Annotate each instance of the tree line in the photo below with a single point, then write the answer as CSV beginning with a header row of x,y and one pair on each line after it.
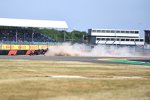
x,y
58,35
74,36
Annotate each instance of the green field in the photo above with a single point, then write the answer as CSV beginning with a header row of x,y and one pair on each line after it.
x,y
29,80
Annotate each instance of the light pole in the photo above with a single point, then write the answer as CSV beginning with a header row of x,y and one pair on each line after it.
x,y
64,36
16,36
32,37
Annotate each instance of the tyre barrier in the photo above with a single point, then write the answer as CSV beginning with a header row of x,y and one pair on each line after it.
x,y
16,52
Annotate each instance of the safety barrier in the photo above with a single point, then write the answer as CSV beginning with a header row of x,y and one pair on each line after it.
x,y
12,52
16,52
22,47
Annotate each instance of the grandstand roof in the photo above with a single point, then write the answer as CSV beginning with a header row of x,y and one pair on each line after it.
x,y
33,23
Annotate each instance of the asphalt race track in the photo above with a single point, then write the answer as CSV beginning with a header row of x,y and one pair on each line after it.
x,y
81,59
53,58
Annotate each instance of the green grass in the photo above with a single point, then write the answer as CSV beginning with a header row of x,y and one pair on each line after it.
x,y
28,80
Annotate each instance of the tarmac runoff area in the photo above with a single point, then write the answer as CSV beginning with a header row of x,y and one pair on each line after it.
x,y
108,60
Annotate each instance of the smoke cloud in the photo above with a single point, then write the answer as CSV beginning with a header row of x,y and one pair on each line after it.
x,y
67,49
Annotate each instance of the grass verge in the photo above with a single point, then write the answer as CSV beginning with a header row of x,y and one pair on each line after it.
x,y
26,80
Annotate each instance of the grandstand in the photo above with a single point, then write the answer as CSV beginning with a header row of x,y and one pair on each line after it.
x,y
15,34
24,34
24,30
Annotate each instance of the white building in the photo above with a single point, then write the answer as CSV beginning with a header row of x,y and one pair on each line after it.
x,y
33,23
114,37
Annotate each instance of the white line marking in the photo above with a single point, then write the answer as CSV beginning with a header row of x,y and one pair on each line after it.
x,y
98,77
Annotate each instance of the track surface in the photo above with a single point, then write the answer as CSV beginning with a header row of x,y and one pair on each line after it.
x,y
69,58
53,58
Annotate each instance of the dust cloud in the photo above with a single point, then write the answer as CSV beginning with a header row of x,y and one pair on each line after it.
x,y
67,49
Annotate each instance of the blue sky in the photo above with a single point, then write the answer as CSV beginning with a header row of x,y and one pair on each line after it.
x,y
82,14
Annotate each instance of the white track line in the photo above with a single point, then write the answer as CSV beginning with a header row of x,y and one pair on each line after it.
x,y
98,77
66,76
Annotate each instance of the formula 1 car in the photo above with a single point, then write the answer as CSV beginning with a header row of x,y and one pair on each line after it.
x,y
39,52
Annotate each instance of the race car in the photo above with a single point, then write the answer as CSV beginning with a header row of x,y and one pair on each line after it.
x,y
39,52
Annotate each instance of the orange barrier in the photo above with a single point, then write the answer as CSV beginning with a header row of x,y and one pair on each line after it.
x,y
16,52
12,52
29,52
